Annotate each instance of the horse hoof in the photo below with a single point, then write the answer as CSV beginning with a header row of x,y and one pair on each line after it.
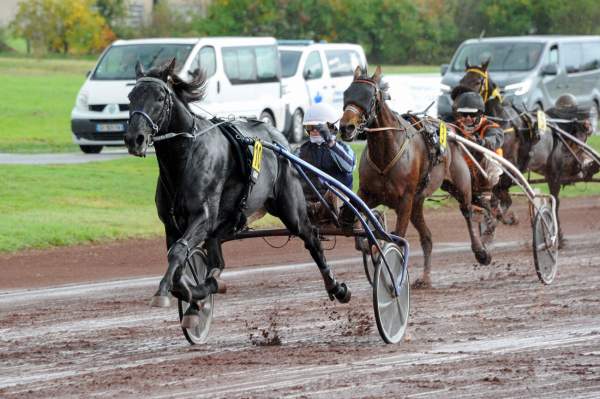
x,y
510,219
341,292
221,285
160,301
421,284
190,321
483,257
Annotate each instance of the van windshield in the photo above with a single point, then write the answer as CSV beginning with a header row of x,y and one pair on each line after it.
x,y
289,62
504,56
118,63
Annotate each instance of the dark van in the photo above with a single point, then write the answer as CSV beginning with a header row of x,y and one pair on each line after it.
x,y
532,71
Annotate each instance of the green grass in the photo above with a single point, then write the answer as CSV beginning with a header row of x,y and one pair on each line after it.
x,y
36,103
55,205
390,69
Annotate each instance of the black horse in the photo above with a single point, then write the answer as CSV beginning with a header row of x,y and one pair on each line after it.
x,y
200,195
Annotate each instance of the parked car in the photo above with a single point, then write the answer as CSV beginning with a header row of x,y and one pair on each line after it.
x,y
315,72
244,80
532,71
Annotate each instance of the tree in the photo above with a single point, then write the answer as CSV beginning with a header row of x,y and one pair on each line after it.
x,y
67,26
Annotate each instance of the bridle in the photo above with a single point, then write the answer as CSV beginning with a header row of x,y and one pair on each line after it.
x,y
165,112
368,116
165,115
484,90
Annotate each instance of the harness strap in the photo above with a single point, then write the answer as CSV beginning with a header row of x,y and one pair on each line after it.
x,y
391,163
383,129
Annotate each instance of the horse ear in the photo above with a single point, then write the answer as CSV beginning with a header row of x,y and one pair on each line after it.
x,y
467,65
377,75
139,70
357,72
168,71
485,64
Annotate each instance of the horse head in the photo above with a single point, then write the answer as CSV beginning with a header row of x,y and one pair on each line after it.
x,y
154,100
476,79
361,102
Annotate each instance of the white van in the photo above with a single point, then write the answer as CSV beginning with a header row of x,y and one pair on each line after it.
x,y
315,72
244,80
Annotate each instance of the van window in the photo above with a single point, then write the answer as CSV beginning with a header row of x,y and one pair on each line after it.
x,y
206,60
503,56
572,56
289,62
342,62
313,69
552,55
118,63
251,64
591,56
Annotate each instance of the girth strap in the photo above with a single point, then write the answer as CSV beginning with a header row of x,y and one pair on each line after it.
x,y
392,162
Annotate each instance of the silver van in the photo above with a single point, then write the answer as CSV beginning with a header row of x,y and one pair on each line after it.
x,y
532,71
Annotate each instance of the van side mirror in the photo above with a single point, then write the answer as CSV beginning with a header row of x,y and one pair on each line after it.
x,y
549,69
444,68
307,74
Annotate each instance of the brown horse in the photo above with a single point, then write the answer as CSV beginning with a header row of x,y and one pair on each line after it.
x,y
520,131
545,153
396,169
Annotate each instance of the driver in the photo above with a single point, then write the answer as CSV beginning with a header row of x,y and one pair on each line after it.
x,y
468,111
324,152
577,123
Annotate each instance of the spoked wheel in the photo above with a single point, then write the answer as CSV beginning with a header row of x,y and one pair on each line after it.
x,y
362,244
545,249
196,271
391,310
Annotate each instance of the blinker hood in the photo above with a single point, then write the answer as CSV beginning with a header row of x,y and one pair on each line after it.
x,y
361,95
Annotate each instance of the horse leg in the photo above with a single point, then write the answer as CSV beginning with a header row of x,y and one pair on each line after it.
x,y
161,298
501,194
418,221
290,207
554,186
215,265
462,193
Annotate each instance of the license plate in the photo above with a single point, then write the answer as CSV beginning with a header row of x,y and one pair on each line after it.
x,y
110,127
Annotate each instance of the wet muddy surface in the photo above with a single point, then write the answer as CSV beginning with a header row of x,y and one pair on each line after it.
x,y
75,322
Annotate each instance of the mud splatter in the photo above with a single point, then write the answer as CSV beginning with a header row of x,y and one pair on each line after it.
x,y
267,336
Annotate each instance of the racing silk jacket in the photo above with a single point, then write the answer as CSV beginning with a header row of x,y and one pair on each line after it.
x,y
490,133
337,161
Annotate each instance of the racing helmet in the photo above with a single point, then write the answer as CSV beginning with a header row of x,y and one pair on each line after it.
x,y
566,104
468,103
320,114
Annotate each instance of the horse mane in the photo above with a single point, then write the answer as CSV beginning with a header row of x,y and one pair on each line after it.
x,y
187,92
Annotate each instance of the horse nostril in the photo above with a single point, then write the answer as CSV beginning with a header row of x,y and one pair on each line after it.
x,y
139,140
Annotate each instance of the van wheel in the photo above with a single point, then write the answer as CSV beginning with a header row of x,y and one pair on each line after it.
x,y
267,118
296,132
91,149
594,114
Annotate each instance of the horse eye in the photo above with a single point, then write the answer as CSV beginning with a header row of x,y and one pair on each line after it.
x,y
161,98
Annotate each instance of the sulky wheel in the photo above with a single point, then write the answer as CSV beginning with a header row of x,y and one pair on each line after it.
x,y
391,310
545,249
362,244
196,271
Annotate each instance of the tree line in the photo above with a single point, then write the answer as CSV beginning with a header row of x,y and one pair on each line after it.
x,y
391,31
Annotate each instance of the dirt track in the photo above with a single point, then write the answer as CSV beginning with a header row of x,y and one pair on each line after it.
x,y
491,331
